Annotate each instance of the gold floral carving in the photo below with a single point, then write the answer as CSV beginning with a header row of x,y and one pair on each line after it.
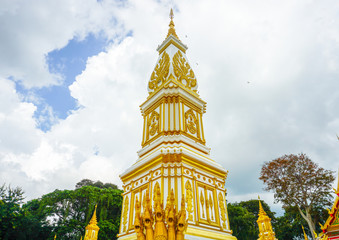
x,y
125,213
160,72
202,202
183,71
210,204
191,122
222,209
153,123
189,200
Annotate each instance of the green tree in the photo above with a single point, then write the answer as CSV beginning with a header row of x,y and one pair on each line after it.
x,y
298,182
69,211
99,184
16,221
241,222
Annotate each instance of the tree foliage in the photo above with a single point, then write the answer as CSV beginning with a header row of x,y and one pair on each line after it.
x,y
241,222
17,221
65,213
98,184
298,182
69,211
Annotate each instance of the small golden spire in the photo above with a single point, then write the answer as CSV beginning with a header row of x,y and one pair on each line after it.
x,y
93,220
305,236
265,227
54,236
171,30
261,209
92,228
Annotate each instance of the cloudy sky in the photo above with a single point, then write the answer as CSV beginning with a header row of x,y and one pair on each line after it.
x,y
73,74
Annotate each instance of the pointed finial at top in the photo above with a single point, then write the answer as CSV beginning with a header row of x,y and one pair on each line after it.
x,y
93,220
261,209
171,30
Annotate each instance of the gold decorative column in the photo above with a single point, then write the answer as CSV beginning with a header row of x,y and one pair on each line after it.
x,y
174,160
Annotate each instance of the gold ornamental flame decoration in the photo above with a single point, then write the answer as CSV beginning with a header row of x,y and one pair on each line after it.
x,y
222,209
183,71
189,200
156,193
160,73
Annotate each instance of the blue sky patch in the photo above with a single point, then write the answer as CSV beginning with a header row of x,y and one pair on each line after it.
x,y
55,102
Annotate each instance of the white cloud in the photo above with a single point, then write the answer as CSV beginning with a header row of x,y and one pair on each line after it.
x,y
29,31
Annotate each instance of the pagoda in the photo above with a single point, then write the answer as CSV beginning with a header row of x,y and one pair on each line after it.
x,y
92,228
331,227
265,227
174,165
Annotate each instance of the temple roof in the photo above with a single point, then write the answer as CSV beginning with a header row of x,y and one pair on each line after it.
x,y
332,222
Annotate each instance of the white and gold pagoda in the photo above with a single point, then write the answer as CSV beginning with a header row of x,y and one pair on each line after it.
x,y
174,164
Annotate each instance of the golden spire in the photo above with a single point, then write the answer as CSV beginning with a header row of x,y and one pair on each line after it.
x,y
261,209
93,220
265,227
305,236
92,228
171,30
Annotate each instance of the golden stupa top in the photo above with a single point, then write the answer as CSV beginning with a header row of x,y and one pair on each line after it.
x,y
262,214
93,220
171,30
264,223
172,64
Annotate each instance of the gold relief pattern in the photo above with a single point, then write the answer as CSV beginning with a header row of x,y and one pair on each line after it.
x,y
160,73
189,200
222,209
210,204
153,123
191,122
125,213
202,202
155,195
183,71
